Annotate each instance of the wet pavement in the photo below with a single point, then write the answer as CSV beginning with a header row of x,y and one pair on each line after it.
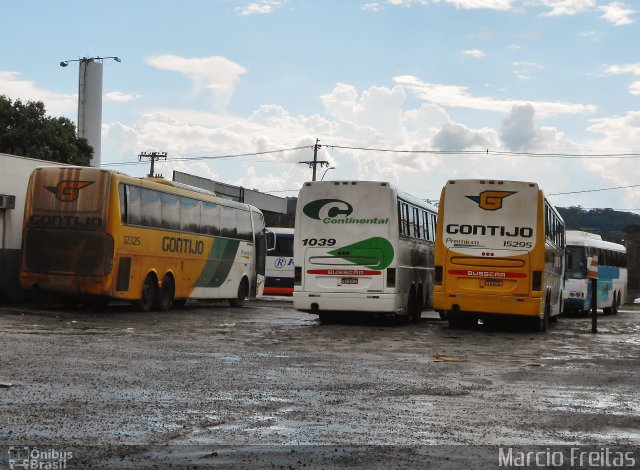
x,y
266,381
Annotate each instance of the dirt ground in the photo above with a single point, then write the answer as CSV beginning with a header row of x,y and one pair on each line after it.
x,y
266,386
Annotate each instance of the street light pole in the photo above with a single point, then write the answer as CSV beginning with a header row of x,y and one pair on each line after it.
x,y
325,172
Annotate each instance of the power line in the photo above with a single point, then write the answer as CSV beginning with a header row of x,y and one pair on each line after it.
x,y
490,152
219,157
595,190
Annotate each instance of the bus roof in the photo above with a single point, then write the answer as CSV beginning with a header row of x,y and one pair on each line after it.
x,y
401,194
580,238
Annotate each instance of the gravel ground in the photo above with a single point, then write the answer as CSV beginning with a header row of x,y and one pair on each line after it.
x,y
266,386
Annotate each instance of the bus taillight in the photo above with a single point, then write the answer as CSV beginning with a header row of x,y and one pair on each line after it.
x,y
297,275
391,277
437,277
536,283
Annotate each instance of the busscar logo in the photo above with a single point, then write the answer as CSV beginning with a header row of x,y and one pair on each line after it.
x,y
68,190
490,200
316,209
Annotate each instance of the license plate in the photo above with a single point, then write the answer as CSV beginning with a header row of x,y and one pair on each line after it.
x,y
493,282
349,280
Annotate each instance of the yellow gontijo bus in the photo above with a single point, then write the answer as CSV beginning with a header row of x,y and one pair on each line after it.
x,y
499,252
94,235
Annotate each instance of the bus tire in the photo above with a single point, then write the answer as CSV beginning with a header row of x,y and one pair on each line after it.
x,y
147,294
243,291
543,323
419,306
163,300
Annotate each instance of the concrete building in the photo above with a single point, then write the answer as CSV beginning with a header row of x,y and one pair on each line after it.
x,y
14,177
278,211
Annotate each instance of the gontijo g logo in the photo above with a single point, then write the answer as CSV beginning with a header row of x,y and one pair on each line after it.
x,y
68,190
316,209
490,200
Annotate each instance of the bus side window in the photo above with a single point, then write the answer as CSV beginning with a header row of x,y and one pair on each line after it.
x,y
228,222
133,205
170,210
189,215
244,225
150,214
210,219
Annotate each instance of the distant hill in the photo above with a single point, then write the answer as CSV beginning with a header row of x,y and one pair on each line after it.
x,y
610,224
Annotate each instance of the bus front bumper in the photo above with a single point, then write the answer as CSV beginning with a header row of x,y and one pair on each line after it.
x,y
495,304
347,302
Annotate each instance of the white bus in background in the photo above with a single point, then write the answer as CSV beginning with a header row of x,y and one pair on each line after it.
x,y
362,246
279,268
612,273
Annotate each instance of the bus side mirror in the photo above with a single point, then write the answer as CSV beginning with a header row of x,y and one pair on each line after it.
x,y
568,261
271,239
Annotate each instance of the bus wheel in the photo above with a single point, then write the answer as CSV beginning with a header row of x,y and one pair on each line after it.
x,y
147,295
243,291
413,309
543,323
163,300
457,320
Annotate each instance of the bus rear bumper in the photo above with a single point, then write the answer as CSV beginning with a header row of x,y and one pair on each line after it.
x,y
347,302
63,284
495,305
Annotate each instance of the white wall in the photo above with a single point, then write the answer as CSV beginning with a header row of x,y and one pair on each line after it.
x,y
14,177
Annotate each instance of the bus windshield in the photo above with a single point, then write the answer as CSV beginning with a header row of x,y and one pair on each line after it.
x,y
576,267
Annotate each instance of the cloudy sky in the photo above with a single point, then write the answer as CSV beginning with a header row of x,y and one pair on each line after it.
x,y
415,92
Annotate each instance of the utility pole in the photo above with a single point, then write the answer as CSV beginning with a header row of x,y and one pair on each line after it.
x,y
153,156
314,164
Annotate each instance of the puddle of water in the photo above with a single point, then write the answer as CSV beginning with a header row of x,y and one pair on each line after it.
x,y
449,358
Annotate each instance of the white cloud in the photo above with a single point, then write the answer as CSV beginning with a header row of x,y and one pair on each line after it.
x,y
343,102
373,7
262,7
473,53
120,97
567,7
13,87
502,5
632,69
459,97
215,74
617,14
456,136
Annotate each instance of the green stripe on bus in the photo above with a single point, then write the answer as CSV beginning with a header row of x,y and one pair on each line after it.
x,y
219,263
374,253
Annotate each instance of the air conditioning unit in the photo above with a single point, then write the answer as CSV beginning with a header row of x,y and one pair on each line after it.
x,y
7,202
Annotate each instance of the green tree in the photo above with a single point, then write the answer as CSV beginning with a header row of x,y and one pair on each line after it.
x,y
25,130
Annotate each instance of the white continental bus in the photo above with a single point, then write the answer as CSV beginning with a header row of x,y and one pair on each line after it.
x,y
612,273
362,246
279,269
499,253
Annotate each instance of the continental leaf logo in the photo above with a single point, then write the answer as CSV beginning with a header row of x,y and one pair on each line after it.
x,y
337,207
374,253
68,190
491,200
